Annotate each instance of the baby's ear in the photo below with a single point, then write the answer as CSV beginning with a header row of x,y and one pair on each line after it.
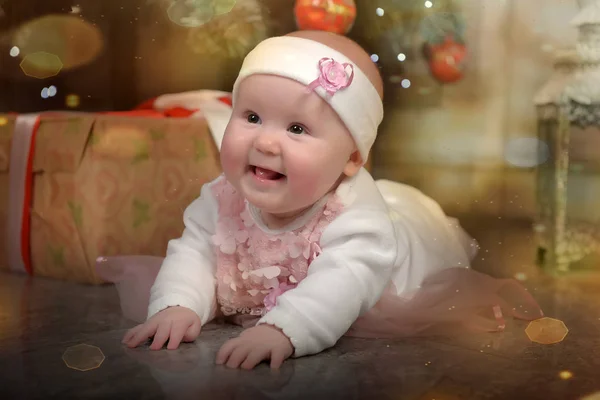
x,y
354,164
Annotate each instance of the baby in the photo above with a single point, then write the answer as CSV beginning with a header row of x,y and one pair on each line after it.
x,y
296,241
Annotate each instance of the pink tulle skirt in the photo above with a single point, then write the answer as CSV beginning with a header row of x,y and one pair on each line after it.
x,y
450,301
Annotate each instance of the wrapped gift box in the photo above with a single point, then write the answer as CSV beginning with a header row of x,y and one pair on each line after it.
x,y
97,185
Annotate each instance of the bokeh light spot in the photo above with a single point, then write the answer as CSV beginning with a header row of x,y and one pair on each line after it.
x,y
3,121
223,6
15,51
41,65
565,375
231,35
73,40
521,276
83,357
526,152
191,14
546,331
72,101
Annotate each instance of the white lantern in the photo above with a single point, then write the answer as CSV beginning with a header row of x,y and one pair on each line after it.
x,y
568,184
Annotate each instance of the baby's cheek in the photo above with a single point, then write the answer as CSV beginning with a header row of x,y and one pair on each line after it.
x,y
231,157
227,160
307,184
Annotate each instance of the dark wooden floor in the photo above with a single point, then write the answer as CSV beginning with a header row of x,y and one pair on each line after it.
x,y
46,324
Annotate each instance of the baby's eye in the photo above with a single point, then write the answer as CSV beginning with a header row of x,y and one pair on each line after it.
x,y
296,129
253,118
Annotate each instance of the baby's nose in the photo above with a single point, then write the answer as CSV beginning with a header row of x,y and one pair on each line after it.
x,y
267,143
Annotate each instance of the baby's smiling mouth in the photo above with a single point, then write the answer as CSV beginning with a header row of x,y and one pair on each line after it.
x,y
266,174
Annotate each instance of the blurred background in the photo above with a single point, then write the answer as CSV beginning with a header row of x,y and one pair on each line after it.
x,y
446,128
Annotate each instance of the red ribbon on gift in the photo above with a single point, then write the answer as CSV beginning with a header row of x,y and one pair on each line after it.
x,y
19,189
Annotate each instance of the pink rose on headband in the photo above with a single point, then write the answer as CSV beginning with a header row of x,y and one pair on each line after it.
x,y
332,76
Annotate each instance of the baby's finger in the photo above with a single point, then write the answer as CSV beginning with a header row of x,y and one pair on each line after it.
x,y
239,354
277,358
192,332
254,358
141,335
225,351
130,333
161,336
177,332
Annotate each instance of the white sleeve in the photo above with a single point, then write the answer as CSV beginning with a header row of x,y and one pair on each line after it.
x,y
346,280
187,275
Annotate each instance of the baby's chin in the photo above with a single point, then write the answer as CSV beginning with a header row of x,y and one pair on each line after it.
x,y
281,202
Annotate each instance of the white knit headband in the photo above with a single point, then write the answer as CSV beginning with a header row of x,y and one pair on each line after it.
x,y
331,74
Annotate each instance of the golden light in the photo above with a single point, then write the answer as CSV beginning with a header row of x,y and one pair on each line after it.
x,y
72,101
546,331
3,121
68,37
83,357
41,65
592,396
565,375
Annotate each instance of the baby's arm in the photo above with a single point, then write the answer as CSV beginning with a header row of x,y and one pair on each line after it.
x,y
182,298
359,251
187,276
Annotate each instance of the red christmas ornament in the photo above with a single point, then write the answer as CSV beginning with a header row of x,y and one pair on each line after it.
x,y
446,60
335,16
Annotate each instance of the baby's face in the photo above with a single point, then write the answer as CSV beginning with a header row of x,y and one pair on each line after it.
x,y
284,147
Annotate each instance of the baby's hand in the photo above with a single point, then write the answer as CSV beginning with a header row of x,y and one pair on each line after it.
x,y
175,324
254,345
